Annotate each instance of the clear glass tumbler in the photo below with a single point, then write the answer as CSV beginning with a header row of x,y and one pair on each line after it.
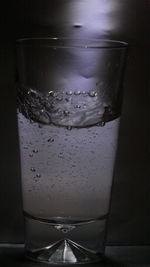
x,y
69,97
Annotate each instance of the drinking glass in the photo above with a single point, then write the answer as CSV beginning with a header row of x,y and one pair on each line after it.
x,y
69,97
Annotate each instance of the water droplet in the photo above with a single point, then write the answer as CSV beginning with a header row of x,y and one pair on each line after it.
x,y
38,175
35,150
77,106
92,93
77,93
69,93
32,169
69,127
50,140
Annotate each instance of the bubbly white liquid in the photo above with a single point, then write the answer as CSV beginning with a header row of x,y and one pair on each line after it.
x,y
67,173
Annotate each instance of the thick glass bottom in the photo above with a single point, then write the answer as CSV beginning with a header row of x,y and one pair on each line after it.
x,y
64,242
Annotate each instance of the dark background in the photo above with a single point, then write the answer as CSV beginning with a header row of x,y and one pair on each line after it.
x,y
127,20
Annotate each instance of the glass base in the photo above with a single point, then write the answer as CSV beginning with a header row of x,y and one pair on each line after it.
x,y
63,252
62,242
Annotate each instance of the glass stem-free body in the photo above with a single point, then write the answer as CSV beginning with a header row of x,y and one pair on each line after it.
x,y
68,121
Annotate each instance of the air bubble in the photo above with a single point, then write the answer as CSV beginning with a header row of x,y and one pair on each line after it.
x,y
55,94
77,93
35,150
77,106
60,155
32,93
59,111
50,93
69,127
92,93
101,124
66,112
50,140
77,25
83,92
59,98
32,169
69,93
109,110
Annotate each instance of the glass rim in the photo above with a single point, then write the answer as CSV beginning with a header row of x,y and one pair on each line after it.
x,y
65,42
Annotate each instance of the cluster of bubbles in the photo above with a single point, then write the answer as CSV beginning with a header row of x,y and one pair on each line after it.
x,y
37,175
32,169
65,108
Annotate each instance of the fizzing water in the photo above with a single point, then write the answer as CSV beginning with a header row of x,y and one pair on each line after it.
x,y
67,152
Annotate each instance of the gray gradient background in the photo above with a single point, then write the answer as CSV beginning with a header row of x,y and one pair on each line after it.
x,y
127,20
